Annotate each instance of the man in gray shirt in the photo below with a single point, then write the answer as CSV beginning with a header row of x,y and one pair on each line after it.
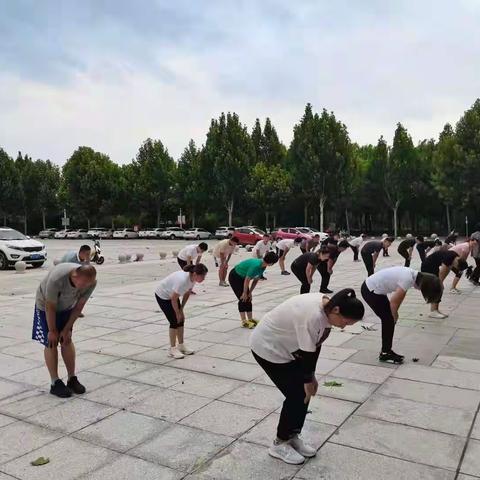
x,y
82,257
59,301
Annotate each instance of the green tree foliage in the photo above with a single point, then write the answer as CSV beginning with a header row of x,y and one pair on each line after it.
x,y
49,182
153,176
229,154
269,188
9,188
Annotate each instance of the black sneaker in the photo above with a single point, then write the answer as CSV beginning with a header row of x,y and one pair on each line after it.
x,y
391,357
285,273
75,386
59,389
326,290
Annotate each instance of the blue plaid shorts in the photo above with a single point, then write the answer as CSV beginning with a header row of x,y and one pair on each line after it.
x,y
40,326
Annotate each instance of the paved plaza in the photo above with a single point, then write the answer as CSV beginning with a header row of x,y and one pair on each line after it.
x,y
213,415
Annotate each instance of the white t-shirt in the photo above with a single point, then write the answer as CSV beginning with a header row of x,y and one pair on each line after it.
x,y
388,280
285,243
297,323
356,242
261,248
188,251
177,282
223,247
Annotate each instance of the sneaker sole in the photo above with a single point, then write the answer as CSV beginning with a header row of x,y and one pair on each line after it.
x,y
275,455
397,362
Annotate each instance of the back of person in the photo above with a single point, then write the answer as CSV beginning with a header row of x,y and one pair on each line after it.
x,y
434,261
372,246
71,257
388,280
462,249
406,244
177,282
251,267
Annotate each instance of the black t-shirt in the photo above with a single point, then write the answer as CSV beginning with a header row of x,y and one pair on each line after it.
x,y
452,238
406,244
307,258
329,241
426,244
434,261
372,247
333,251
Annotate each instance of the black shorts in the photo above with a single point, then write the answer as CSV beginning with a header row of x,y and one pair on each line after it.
x,y
182,263
280,252
169,312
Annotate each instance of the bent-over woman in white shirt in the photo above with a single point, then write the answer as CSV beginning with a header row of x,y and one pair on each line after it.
x,y
286,344
170,290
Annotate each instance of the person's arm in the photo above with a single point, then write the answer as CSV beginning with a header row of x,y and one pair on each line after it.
x,y
199,259
185,298
396,300
309,271
285,251
246,292
254,284
331,262
176,307
189,260
375,256
410,251
65,335
444,271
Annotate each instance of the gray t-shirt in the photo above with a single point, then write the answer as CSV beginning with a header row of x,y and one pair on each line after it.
x,y
71,257
57,287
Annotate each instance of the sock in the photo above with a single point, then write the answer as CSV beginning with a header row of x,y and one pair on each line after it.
x,y
54,380
279,441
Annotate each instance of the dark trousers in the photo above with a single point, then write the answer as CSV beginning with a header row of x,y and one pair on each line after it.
x,y
288,377
406,256
381,306
476,272
182,263
236,282
302,276
368,261
323,270
355,253
385,252
421,253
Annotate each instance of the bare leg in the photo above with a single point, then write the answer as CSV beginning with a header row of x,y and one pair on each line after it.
x,y
179,331
51,360
68,355
434,307
455,281
281,262
243,316
172,333
249,315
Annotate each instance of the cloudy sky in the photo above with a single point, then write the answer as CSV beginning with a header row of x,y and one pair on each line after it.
x,y
110,73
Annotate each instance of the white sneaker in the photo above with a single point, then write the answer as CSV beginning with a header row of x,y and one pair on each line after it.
x,y
183,349
437,314
173,352
301,447
455,291
284,451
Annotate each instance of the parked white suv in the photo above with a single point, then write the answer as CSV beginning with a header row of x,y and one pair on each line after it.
x,y
16,247
173,232
125,233
197,234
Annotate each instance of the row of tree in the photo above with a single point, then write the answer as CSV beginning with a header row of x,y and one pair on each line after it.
x,y
323,179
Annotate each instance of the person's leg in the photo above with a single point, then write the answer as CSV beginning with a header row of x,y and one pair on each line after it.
x,y
323,269
368,262
422,254
236,284
381,307
455,281
51,361
355,253
475,277
181,262
68,355
302,276
281,260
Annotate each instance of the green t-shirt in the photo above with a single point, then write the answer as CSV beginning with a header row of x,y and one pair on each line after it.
x,y
251,268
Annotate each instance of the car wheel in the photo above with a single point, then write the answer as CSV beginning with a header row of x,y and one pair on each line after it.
x,y
37,265
3,261
172,237
198,237
126,236
210,237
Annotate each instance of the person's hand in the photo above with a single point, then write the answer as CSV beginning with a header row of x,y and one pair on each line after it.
x,y
52,339
244,297
310,280
66,336
310,389
180,316
330,271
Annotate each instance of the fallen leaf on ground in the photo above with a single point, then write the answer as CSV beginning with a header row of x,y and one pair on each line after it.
x,y
40,461
332,383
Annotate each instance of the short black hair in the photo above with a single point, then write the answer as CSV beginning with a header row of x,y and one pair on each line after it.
x,y
199,269
348,304
298,240
85,248
389,239
203,246
343,244
430,286
235,240
420,239
462,264
270,258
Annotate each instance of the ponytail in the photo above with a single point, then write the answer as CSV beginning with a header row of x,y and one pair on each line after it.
x,y
199,269
348,304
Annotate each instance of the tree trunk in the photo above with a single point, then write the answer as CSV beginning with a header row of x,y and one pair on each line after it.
x,y
4,219
266,220
447,211
113,224
193,217
230,212
322,208
305,215
88,223
347,220
395,222
25,222
274,221
158,216
43,219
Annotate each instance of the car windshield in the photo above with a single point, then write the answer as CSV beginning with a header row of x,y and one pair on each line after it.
x,y
257,230
11,235
303,230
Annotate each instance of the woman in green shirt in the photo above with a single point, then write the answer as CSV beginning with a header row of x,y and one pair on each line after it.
x,y
243,279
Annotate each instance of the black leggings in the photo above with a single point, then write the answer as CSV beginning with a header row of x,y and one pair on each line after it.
x,y
288,377
167,309
236,282
300,273
322,268
355,252
406,256
476,272
381,306
368,261
421,253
